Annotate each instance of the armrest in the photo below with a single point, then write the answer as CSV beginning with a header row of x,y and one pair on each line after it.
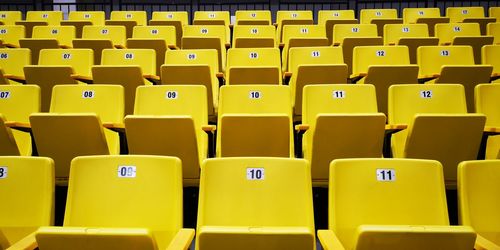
x,y
356,77
300,130
119,46
390,129
210,130
392,44
426,78
336,44
117,127
85,79
182,239
27,243
220,76
447,43
21,126
281,45
483,243
9,45
155,80
19,79
329,240
64,46
494,76
286,77
228,45
173,47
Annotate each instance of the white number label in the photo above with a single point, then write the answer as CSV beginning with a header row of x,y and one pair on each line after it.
x,y
4,94
3,172
405,29
445,52
355,29
191,56
45,15
127,171
170,16
386,175
204,31
426,93
54,31
336,14
465,12
154,32
378,13
4,55
253,55
86,15
3,16
255,174
254,31
315,53
128,15
3,31
380,52
129,55
104,31
88,94
255,95
66,56
420,13
211,15
338,94
171,95
254,15
295,15
304,30
457,29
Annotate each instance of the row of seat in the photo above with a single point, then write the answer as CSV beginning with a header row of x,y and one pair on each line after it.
x,y
135,202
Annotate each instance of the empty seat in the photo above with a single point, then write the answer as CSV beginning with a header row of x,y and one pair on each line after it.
x,y
27,190
211,18
48,37
171,18
494,30
98,38
487,100
10,35
118,202
253,17
254,36
380,17
494,12
52,18
207,37
458,14
270,186
291,17
253,66
410,35
80,19
129,19
490,57
329,18
478,204
12,62
10,17
428,16
360,219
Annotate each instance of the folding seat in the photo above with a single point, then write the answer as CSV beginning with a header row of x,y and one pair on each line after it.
x,y
410,35
40,18
253,17
270,186
329,18
79,19
380,17
313,65
301,36
211,18
383,66
452,64
494,12
390,204
129,19
349,36
291,17
17,103
490,57
493,29
10,35
127,67
254,36
254,120
428,16
121,202
253,66
169,120
158,38
74,125
469,15
487,100
48,37
207,37
12,62
439,126
339,121
10,17
99,38
180,65
58,66
178,19
27,190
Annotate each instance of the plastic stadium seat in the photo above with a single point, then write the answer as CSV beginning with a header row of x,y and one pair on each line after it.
x,y
490,57
99,38
314,65
207,37
410,35
439,127
453,64
494,30
329,18
58,66
254,120
121,202
428,16
211,18
73,127
494,12
266,203
383,66
343,123
390,204
168,120
129,19
52,18
487,100
253,17
458,14
10,35
48,37
95,17
27,190
253,66
291,17
180,65
10,17
127,67
254,36
17,102
12,62
178,19
301,36
478,204
380,17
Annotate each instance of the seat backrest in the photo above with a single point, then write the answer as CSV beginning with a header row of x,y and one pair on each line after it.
x,y
194,57
394,32
253,17
288,17
139,16
490,56
303,31
213,31
493,29
254,99
211,18
494,12
446,32
81,60
411,15
144,58
487,102
324,15
166,33
253,31
430,59
313,55
458,14
181,16
341,31
63,34
51,17
10,17
253,57
12,61
477,195
115,33
360,191
96,17
10,34
366,56
367,15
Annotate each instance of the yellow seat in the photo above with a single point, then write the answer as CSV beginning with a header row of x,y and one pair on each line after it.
x,y
263,219
52,18
168,120
453,64
17,102
254,36
12,62
439,126
362,216
458,14
129,19
380,17
254,120
27,190
207,37
80,19
10,17
73,127
494,12
428,16
253,66
342,122
48,37
490,57
121,202
410,35
10,35
171,18
478,204
314,65
58,66
487,100
99,38
291,17
127,67
211,18
329,18
253,17
180,65
494,31
383,66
